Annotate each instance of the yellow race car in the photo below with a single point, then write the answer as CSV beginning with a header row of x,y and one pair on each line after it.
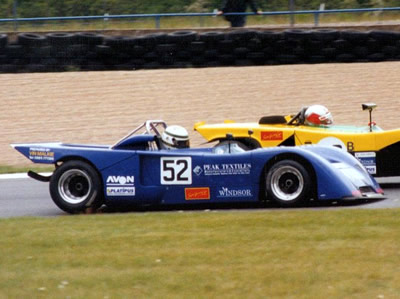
x,y
376,149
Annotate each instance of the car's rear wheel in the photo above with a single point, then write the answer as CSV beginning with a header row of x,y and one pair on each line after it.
x,y
288,183
76,186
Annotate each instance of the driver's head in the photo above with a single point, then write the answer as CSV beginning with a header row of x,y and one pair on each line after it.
x,y
175,137
318,115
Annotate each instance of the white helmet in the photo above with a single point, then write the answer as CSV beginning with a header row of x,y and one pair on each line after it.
x,y
175,137
318,115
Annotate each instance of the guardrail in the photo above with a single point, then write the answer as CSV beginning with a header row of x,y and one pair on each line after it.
x,y
158,17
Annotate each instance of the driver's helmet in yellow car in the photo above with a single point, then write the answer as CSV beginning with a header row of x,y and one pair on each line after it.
x,y
175,137
318,115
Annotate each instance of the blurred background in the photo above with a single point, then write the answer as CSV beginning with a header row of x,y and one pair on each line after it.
x,y
14,9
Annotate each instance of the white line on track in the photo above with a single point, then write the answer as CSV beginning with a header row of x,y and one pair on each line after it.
x,y
13,176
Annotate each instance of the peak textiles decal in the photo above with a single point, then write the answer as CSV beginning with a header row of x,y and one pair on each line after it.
x,y
41,154
223,169
272,135
234,192
200,193
117,185
198,170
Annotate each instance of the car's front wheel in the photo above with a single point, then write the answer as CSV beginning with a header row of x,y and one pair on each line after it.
x,y
288,183
76,186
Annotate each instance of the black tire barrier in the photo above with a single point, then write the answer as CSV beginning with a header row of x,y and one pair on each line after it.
x,y
181,38
61,39
89,39
31,39
325,35
354,37
3,40
211,37
55,52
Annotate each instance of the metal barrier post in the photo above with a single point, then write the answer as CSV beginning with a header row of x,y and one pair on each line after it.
x,y
316,19
15,5
158,22
291,8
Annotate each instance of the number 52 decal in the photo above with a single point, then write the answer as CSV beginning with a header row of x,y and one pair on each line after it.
x,y
176,170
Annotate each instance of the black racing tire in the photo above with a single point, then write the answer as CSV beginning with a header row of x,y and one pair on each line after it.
x,y
288,183
149,41
255,45
329,53
211,37
342,46
184,55
345,58
197,47
360,52
76,186
226,59
150,56
181,37
269,38
384,36
300,35
256,57
61,39
241,37
211,54
354,36
31,39
15,51
163,49
241,52
3,40
89,38
390,51
225,46
288,59
325,35
376,57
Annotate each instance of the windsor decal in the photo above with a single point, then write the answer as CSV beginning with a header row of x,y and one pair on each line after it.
x,y
234,192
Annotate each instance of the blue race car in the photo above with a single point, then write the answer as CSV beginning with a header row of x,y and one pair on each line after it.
x,y
139,170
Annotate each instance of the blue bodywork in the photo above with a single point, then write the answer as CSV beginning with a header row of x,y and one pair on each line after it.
x,y
134,171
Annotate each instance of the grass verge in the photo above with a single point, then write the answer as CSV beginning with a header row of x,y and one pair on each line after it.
x,y
15,169
293,254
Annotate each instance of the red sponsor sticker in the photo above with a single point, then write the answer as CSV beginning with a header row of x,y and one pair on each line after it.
x,y
197,193
272,135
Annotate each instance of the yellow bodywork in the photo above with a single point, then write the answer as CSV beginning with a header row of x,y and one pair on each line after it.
x,y
354,139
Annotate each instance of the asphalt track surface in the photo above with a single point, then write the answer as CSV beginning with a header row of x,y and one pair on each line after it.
x,y
27,197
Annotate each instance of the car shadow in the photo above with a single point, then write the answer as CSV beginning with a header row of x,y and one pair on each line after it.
x,y
235,206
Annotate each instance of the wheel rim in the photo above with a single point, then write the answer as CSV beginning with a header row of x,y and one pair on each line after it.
x,y
287,183
74,186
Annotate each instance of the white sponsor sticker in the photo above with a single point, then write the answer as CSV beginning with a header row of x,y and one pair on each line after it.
x,y
176,170
227,169
120,191
234,192
368,160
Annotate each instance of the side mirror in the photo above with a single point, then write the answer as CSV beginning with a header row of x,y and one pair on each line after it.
x,y
229,137
368,106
